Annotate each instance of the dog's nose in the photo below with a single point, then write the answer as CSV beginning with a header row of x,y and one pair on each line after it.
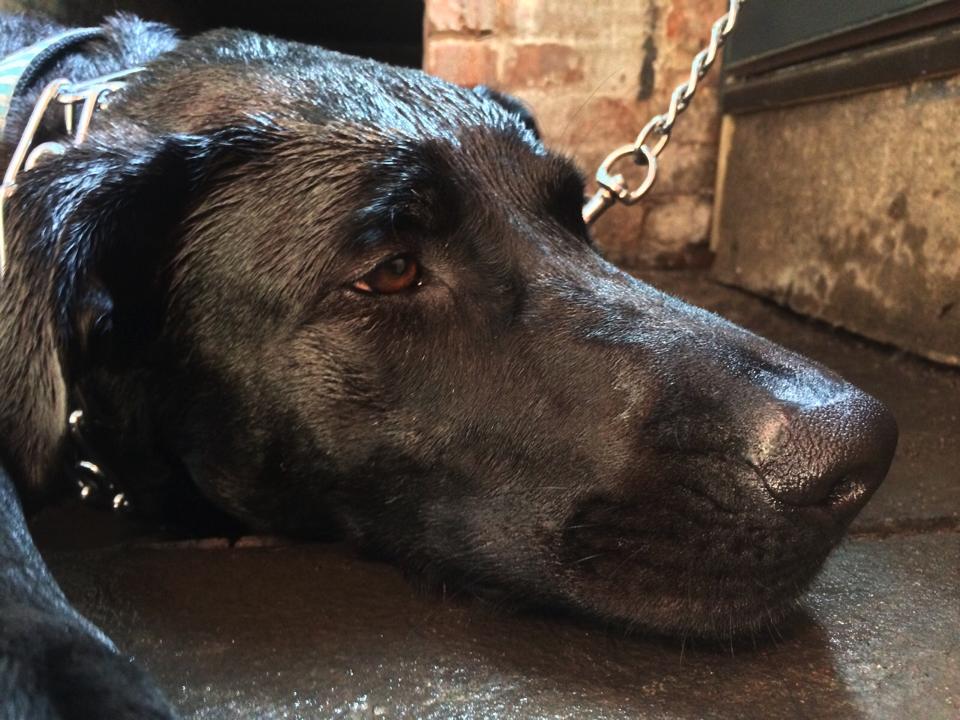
x,y
831,454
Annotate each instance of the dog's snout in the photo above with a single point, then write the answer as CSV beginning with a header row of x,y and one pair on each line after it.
x,y
831,454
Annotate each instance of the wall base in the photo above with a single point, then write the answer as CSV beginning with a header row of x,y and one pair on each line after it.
x,y
849,211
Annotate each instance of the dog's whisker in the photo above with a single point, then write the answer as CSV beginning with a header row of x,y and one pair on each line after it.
x,y
731,621
568,128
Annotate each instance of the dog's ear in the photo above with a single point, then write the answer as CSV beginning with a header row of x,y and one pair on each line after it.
x,y
512,105
90,235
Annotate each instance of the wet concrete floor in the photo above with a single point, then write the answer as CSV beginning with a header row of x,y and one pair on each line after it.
x,y
313,631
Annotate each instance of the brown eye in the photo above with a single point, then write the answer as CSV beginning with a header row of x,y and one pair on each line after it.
x,y
391,276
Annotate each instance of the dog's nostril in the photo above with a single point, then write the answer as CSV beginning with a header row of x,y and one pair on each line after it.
x,y
832,455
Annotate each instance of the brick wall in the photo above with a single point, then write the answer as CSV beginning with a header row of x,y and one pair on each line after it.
x,y
594,73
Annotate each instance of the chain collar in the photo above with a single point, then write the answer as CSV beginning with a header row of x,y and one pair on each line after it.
x,y
94,484
79,103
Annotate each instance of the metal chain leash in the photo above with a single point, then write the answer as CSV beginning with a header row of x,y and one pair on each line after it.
x,y
613,188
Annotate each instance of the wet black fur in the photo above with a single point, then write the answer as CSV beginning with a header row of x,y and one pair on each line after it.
x,y
531,423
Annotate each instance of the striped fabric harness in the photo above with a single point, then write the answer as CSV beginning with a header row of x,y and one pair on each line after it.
x,y
19,70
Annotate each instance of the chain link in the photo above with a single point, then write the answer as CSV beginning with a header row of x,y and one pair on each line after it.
x,y
88,97
613,188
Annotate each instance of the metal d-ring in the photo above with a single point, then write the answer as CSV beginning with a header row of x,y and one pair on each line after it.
x,y
613,188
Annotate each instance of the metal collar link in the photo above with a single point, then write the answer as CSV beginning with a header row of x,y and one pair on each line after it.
x,y
80,101
93,483
613,188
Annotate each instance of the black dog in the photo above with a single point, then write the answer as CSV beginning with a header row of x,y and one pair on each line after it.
x,y
336,297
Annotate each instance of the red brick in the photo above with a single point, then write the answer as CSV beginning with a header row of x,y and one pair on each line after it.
x,y
598,125
520,17
465,62
542,64
566,59
689,21
461,16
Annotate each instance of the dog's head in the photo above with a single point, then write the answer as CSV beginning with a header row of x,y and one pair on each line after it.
x,y
340,295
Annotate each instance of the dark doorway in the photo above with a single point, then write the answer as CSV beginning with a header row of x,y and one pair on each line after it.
x,y
388,31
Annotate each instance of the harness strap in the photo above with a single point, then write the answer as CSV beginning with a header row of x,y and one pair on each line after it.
x,y
21,69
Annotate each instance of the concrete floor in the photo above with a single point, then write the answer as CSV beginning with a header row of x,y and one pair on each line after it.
x,y
266,630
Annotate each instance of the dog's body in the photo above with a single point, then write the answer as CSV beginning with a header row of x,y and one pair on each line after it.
x,y
325,296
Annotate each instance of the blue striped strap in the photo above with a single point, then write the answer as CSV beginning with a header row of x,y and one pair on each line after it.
x,y
20,69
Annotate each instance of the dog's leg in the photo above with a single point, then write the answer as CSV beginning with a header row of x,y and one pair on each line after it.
x,y
54,664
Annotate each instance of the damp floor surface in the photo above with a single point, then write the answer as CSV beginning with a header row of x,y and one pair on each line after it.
x,y
272,630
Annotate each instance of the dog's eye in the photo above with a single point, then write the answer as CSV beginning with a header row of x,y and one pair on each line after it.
x,y
397,274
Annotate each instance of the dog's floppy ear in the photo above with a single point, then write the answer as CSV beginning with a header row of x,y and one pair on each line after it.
x,y
89,235
511,104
